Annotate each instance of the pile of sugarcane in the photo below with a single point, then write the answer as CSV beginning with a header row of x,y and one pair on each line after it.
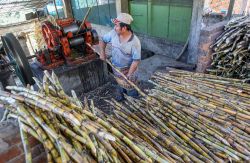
x,y
206,117
69,131
231,57
187,117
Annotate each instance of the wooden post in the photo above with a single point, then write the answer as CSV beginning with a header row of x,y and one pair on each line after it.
x,y
230,9
28,38
67,9
195,30
122,6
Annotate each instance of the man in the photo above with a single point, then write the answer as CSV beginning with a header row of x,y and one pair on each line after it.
x,y
125,53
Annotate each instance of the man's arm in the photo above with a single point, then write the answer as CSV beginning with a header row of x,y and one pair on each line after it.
x,y
136,56
103,55
103,43
133,68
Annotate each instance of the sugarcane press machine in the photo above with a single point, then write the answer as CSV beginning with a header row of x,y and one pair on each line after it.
x,y
67,42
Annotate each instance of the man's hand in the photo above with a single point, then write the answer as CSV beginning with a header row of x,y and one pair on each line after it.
x,y
103,57
132,69
128,76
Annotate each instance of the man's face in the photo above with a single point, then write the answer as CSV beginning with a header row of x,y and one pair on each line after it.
x,y
118,28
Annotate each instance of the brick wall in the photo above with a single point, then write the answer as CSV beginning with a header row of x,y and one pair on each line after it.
x,y
207,38
219,6
11,147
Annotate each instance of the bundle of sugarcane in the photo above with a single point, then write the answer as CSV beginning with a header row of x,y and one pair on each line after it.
x,y
68,130
187,117
206,117
231,55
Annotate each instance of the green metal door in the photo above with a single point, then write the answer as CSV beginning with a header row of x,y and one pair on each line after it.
x,y
159,19
168,19
179,20
138,10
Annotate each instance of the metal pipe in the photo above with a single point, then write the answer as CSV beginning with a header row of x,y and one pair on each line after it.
x,y
71,28
76,41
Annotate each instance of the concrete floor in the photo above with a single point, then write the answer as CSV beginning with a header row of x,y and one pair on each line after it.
x,y
149,65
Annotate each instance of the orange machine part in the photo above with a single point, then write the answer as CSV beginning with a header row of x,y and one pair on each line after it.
x,y
51,35
65,22
66,46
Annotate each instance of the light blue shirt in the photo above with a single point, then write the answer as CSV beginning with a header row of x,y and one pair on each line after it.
x,y
123,54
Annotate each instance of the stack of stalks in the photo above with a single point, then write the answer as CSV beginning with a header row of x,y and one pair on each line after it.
x,y
187,117
205,116
231,50
68,131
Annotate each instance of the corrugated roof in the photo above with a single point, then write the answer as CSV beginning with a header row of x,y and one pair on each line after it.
x,y
19,5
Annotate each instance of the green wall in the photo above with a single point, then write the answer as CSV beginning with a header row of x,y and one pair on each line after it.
x,y
169,19
100,13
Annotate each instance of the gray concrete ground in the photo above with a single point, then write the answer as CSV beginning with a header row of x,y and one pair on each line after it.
x,y
149,65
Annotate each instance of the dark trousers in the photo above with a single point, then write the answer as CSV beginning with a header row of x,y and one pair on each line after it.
x,y
129,92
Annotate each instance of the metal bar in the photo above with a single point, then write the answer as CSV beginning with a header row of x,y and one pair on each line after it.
x,y
84,19
230,9
30,57
8,64
56,9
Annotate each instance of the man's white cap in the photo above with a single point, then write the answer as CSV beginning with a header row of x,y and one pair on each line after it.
x,y
124,18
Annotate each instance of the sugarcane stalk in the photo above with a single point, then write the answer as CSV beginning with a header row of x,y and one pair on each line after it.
x,y
26,146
